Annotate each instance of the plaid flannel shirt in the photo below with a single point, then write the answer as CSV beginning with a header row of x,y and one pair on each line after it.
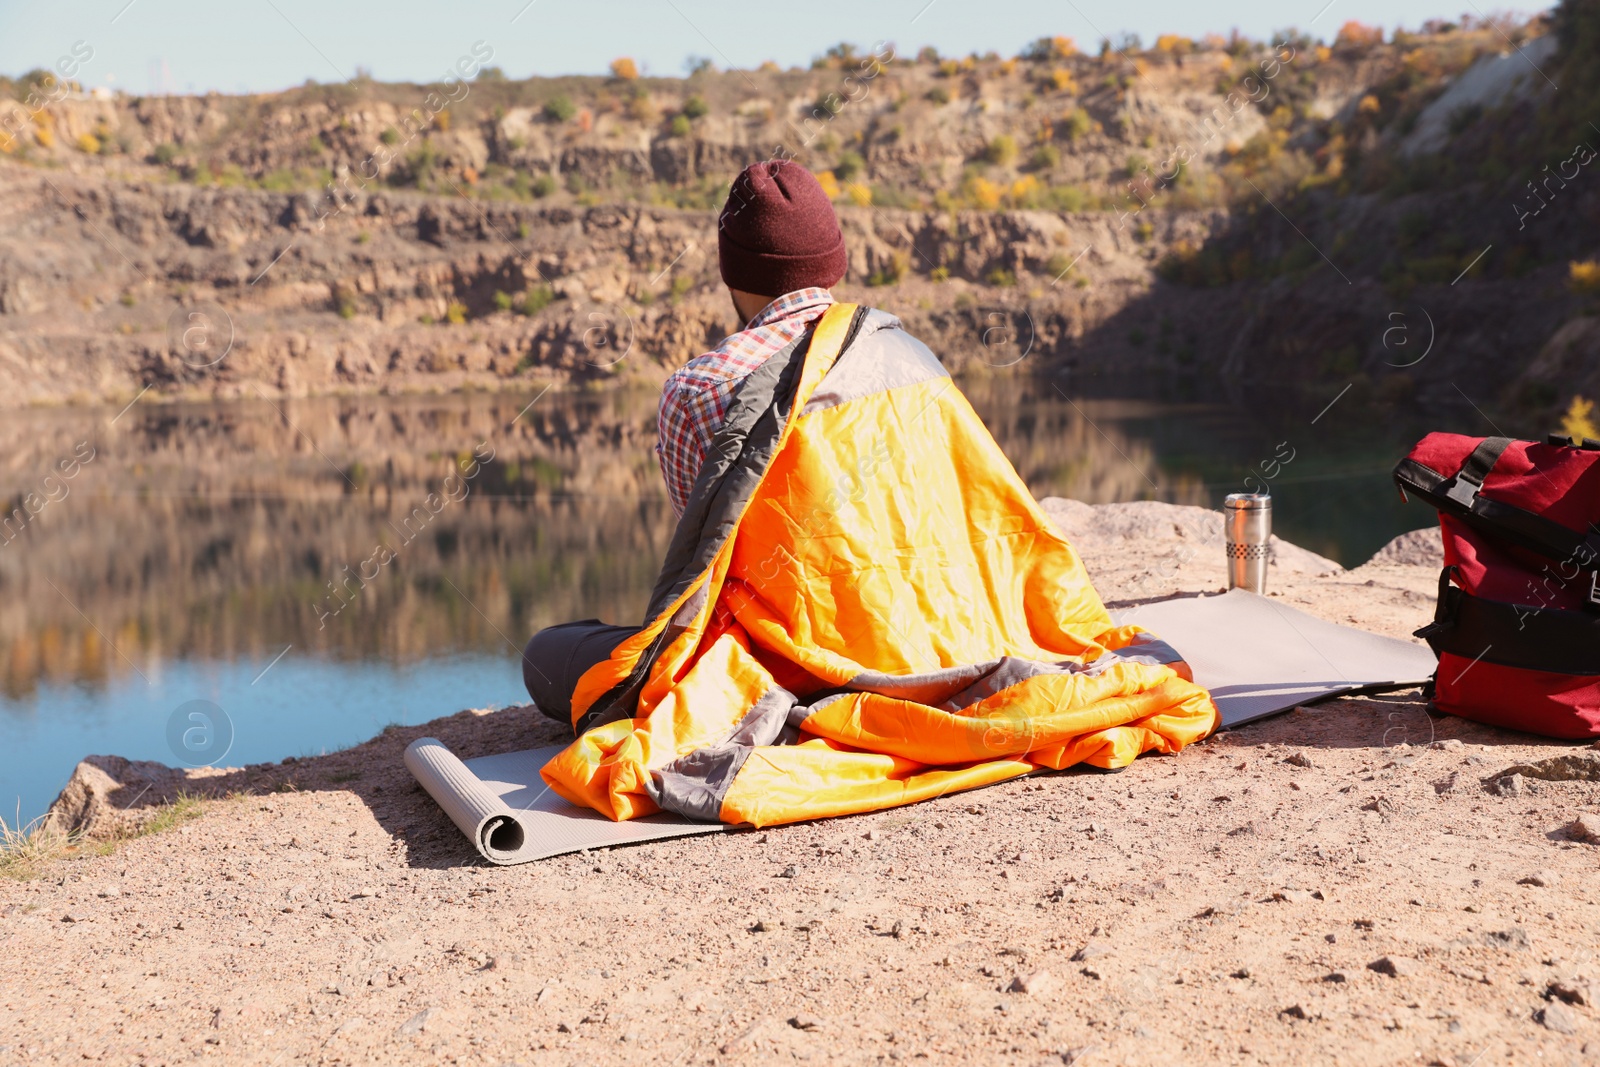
x,y
696,398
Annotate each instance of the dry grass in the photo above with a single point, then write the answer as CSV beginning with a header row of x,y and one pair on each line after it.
x,y
184,807
26,849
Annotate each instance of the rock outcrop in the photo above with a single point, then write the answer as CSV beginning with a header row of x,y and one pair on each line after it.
x,y
1163,525
109,797
1422,547
228,293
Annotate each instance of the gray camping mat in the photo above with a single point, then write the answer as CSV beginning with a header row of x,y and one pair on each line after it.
x,y
504,807
1256,656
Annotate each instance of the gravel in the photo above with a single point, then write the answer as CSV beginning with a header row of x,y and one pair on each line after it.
x,y
648,959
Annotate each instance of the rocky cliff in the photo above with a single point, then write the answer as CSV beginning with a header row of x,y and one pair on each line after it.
x,y
1278,215
227,292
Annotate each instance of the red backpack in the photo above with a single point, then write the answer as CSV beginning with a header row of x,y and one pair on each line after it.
x,y
1517,628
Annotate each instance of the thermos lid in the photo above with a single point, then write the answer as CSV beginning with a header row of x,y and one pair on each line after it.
x,y
1248,502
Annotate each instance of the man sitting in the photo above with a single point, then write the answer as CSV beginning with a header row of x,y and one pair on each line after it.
x,y
862,604
777,235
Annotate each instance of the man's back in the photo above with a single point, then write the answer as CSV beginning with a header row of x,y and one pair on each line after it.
x,y
780,251
695,399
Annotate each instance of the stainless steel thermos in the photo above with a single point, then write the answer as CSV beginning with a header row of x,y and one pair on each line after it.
x,y
1248,521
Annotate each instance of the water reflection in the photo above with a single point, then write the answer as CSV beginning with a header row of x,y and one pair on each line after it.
x,y
323,567
381,528
214,531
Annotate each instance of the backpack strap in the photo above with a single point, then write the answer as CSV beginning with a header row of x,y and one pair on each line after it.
x,y
1460,496
1512,635
1464,487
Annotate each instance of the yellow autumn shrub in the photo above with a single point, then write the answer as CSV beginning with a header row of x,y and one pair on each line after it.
x,y
984,193
1578,422
1584,277
1023,190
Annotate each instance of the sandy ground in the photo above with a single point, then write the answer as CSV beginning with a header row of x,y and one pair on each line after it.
x,y
1335,885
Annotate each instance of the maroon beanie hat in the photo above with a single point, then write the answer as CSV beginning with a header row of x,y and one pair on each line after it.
x,y
778,233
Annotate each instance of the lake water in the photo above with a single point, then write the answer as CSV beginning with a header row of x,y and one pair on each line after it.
x,y
300,574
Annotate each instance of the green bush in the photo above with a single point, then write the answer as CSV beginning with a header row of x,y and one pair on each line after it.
x,y
1414,225
1045,157
939,95
165,154
850,164
1002,151
1077,124
560,109
538,298
696,107
418,167
890,273
680,126
1432,269
1058,265
516,182
390,135
543,186
502,300
894,197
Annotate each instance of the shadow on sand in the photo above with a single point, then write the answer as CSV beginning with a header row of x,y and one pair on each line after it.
x,y
1390,725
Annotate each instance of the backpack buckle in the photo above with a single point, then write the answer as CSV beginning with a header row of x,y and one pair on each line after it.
x,y
1594,590
1462,491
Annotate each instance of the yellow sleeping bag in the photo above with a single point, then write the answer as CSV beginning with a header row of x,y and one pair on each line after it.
x,y
863,606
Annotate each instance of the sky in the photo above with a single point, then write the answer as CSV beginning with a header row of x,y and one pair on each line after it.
x,y
154,46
